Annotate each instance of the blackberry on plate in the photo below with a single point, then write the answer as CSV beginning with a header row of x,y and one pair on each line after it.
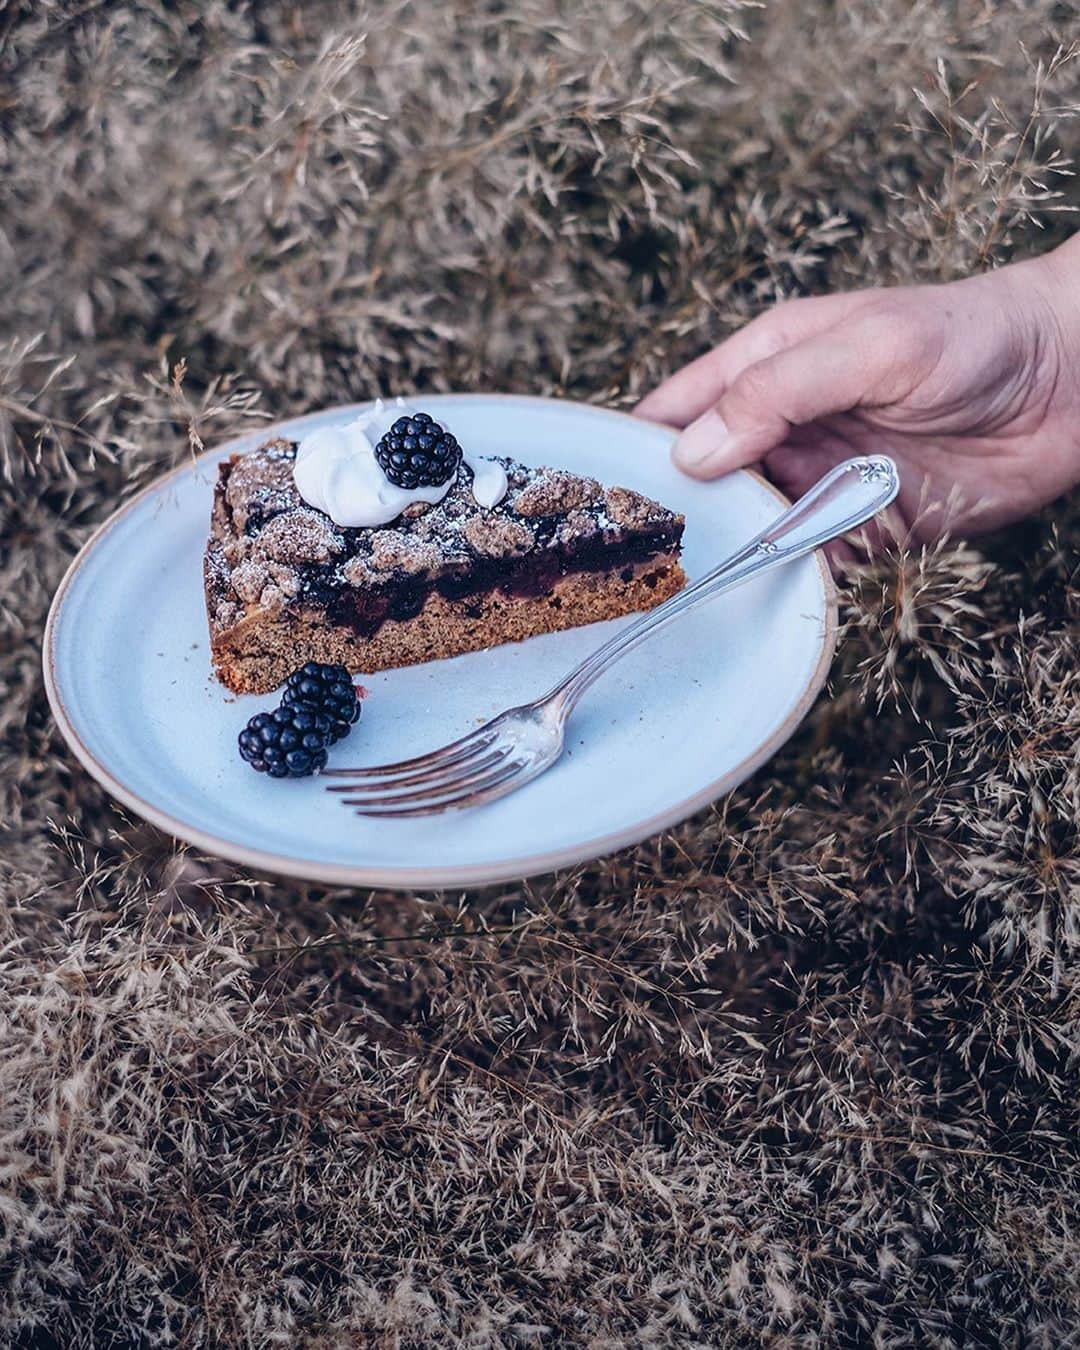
x,y
324,690
418,452
319,707
273,743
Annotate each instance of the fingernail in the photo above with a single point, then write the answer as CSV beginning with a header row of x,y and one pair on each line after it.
x,y
701,441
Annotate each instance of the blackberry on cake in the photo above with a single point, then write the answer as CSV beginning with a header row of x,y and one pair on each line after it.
x,y
495,552
418,452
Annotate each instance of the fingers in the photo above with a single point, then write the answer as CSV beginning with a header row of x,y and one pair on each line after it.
x,y
687,394
867,362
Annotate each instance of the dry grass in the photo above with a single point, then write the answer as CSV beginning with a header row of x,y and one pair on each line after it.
x,y
802,1072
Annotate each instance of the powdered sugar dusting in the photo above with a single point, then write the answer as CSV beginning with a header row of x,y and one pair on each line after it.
x,y
267,538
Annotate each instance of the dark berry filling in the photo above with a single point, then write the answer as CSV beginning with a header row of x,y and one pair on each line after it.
x,y
366,609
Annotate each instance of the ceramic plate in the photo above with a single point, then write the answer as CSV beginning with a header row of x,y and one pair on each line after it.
x,y
676,724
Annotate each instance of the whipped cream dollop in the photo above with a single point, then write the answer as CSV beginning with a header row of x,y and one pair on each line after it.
x,y
336,472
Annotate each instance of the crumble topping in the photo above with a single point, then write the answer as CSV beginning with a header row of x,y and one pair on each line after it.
x,y
391,550
227,612
629,508
269,545
268,584
237,550
556,491
248,581
357,572
577,525
302,535
498,536
263,481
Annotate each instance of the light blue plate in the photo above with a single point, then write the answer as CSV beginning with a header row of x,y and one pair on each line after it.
x,y
676,724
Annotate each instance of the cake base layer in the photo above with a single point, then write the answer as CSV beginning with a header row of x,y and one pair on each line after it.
x,y
261,651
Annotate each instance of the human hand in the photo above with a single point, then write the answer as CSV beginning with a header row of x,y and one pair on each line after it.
x,y
973,387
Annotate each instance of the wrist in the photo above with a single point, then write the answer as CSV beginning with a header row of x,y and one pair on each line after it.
x,y
1066,256
1057,277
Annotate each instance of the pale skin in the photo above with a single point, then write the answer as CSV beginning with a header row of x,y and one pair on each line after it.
x,y
972,386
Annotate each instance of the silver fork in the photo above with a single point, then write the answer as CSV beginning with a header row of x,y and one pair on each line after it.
x,y
520,743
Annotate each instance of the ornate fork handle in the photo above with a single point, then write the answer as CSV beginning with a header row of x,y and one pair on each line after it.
x,y
845,498
519,743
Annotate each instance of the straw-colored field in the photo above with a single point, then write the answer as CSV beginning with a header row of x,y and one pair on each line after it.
x,y
802,1073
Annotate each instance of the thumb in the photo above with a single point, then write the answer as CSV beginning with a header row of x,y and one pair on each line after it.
x,y
833,372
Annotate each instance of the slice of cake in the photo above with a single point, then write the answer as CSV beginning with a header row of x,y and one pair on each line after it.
x,y
375,550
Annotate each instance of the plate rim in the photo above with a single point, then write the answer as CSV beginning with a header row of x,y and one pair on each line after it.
x,y
419,878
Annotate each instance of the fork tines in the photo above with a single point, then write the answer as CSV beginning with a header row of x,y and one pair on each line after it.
x,y
463,773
